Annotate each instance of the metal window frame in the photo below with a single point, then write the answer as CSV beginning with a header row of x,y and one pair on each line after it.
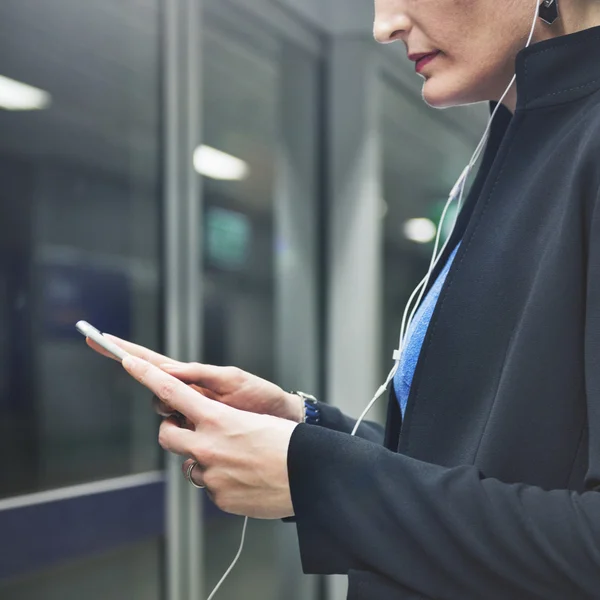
x,y
44,529
182,259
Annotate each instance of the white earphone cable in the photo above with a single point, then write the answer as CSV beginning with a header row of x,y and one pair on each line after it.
x,y
237,556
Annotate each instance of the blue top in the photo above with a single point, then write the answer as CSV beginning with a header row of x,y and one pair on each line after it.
x,y
416,335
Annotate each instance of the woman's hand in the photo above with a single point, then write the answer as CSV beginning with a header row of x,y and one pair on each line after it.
x,y
228,385
242,457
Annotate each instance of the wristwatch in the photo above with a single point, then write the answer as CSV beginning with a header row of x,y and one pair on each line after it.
x,y
312,414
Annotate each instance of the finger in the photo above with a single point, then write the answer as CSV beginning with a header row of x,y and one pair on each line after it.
x,y
196,473
134,349
158,360
171,391
175,439
99,349
202,390
210,377
166,411
161,408
205,391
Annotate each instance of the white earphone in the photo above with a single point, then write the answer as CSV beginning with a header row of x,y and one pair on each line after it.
x,y
457,190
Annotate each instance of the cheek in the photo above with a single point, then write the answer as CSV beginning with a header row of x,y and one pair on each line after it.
x,y
479,40
447,25
465,82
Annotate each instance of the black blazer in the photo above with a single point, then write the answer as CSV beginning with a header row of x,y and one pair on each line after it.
x,y
489,490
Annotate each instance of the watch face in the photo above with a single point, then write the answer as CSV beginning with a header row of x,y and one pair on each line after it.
x,y
305,396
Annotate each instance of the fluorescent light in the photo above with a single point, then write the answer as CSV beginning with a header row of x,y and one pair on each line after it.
x,y
15,95
421,231
219,165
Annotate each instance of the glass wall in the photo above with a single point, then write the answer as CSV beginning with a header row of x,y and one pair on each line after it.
x,y
80,237
80,212
241,118
81,215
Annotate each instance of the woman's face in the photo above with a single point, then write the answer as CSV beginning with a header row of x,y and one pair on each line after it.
x,y
468,47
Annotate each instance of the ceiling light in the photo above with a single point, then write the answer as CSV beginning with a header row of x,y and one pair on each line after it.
x,y
219,165
15,95
421,231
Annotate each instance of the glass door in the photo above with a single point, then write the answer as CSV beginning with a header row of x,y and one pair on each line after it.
x,y
81,492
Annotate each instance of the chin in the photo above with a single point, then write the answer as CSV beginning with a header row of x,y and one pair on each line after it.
x,y
438,94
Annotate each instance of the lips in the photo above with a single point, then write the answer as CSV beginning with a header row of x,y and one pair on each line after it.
x,y
422,59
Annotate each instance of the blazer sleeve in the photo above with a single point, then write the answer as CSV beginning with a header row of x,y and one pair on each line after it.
x,y
451,533
333,418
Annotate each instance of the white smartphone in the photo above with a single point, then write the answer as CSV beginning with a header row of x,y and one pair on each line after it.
x,y
90,331
94,334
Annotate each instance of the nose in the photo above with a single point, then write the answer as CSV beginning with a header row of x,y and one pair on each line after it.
x,y
391,27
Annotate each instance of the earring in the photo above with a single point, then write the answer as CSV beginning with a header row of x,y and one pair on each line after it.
x,y
549,11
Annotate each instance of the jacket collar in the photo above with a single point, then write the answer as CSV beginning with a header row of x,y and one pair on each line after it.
x,y
551,72
559,70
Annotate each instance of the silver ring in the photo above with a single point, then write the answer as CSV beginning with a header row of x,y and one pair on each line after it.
x,y
189,476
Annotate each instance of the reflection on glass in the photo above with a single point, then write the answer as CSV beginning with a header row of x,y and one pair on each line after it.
x,y
215,164
15,95
228,238
420,230
79,236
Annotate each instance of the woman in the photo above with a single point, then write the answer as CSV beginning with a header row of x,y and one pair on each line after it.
x,y
485,484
